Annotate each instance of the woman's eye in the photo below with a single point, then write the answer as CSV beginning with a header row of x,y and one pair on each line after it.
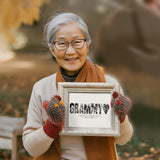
x,y
77,41
61,43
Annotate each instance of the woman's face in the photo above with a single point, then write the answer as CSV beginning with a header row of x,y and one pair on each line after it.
x,y
75,58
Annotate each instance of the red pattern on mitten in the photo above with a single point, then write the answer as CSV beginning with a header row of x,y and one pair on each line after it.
x,y
55,110
121,105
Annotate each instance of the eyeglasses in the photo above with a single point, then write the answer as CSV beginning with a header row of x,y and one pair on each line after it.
x,y
63,45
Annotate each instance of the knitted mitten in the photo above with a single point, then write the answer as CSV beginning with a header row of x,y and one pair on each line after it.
x,y
55,110
121,105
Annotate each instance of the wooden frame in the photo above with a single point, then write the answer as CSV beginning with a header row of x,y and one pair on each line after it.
x,y
88,111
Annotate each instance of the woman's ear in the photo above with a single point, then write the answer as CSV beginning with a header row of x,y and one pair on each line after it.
x,y
87,47
51,50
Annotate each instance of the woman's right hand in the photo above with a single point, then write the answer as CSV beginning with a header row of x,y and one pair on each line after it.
x,y
55,110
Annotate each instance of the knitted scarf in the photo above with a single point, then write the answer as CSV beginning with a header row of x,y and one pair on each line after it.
x,y
97,148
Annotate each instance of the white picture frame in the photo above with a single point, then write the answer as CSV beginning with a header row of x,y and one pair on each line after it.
x,y
87,109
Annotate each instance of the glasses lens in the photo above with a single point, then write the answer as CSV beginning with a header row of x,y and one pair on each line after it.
x,y
78,43
61,45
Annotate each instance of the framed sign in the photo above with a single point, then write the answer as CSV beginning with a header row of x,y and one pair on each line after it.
x,y
88,111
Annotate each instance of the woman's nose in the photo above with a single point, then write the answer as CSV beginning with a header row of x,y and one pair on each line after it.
x,y
70,50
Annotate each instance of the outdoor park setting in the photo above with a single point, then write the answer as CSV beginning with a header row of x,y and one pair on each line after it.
x,y
125,41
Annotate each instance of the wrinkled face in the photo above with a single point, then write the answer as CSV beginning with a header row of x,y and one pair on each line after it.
x,y
75,58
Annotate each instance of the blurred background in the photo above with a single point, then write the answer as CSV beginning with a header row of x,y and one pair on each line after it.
x,y
125,41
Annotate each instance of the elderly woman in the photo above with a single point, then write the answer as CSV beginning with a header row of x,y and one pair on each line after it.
x,y
68,40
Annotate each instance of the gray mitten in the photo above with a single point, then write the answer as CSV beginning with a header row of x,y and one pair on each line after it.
x,y
121,105
55,109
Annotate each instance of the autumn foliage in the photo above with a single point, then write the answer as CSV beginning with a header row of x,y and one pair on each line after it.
x,y
15,12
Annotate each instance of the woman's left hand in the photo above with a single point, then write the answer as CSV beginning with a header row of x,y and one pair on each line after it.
x,y
121,105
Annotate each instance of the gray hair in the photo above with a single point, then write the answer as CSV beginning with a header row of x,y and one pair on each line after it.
x,y
64,18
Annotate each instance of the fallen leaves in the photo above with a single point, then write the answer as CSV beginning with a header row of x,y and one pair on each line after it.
x,y
136,149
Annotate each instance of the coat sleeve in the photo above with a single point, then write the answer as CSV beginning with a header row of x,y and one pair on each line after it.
x,y
35,141
126,131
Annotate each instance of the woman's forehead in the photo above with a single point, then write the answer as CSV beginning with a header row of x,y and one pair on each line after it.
x,y
71,30
64,37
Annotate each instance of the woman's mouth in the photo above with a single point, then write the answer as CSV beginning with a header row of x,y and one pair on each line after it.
x,y
71,59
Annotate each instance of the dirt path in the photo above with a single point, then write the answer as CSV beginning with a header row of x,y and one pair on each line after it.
x,y
29,64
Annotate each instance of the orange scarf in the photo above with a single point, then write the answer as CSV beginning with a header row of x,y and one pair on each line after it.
x,y
97,148
89,73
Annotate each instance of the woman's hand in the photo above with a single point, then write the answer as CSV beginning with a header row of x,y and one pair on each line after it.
x,y
121,105
55,110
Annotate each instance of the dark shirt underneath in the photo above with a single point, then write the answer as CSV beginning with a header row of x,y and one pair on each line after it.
x,y
68,78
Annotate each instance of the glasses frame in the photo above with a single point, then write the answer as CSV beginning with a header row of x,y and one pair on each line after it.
x,y
68,43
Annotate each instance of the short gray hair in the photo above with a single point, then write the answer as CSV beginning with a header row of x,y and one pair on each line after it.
x,y
64,18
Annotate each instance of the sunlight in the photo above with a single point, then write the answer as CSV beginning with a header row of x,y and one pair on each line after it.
x,y
5,56
23,64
